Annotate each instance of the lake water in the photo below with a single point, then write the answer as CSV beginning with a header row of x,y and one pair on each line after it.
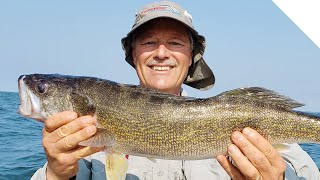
x,y
21,152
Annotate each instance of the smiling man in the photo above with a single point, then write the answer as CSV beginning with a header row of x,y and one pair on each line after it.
x,y
162,55
166,52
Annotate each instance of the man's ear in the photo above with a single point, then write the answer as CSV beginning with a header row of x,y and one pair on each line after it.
x,y
191,58
134,59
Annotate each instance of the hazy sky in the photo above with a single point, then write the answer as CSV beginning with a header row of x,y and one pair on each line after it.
x,y
249,43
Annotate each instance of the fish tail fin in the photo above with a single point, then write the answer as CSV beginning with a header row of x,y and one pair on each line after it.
x,y
116,166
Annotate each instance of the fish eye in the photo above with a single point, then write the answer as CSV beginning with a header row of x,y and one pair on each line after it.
x,y
41,87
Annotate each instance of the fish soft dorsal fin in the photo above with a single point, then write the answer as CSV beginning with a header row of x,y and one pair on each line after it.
x,y
83,105
263,95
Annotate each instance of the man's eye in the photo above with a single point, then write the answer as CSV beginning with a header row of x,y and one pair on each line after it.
x,y
176,43
149,43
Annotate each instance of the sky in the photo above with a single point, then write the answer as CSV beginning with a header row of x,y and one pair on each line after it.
x,y
249,43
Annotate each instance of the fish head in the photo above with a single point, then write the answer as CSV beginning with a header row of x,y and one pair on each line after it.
x,y
42,95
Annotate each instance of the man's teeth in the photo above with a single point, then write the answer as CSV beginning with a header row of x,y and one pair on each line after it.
x,y
161,68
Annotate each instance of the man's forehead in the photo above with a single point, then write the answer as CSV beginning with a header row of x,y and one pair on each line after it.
x,y
166,25
152,33
164,22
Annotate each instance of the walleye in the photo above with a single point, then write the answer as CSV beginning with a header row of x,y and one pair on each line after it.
x,y
144,122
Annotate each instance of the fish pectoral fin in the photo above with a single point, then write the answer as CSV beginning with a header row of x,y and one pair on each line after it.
x,y
100,139
82,104
281,147
116,166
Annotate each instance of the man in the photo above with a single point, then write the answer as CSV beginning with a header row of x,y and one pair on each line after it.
x,y
166,52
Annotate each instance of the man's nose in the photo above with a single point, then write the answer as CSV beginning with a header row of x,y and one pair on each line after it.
x,y
162,52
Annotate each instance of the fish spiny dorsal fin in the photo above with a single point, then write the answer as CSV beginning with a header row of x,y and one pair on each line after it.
x,y
262,95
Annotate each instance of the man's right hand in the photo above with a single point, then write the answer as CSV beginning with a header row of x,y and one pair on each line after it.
x,y
62,133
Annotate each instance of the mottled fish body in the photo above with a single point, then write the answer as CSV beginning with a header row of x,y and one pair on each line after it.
x,y
144,122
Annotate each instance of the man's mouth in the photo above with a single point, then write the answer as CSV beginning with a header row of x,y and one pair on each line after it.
x,y
161,68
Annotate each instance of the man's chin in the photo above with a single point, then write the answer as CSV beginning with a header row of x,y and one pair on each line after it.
x,y
165,87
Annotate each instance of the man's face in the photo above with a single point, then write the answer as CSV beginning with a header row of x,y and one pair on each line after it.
x,y
162,55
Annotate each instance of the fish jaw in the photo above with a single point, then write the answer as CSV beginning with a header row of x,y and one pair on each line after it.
x,y
30,104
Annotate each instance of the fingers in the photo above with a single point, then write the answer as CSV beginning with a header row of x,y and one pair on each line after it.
x,y
233,172
243,163
265,147
255,156
70,128
71,141
68,136
59,119
86,151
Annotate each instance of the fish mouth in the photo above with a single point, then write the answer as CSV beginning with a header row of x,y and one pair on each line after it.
x,y
30,104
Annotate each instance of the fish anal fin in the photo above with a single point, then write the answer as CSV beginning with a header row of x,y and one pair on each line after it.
x,y
152,159
82,104
100,139
262,95
116,166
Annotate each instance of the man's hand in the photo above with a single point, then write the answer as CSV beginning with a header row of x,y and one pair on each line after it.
x,y
254,156
62,133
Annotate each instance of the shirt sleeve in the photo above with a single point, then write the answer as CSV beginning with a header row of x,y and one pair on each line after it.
x,y
40,174
299,164
84,171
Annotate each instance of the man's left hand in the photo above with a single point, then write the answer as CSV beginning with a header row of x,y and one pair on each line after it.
x,y
255,158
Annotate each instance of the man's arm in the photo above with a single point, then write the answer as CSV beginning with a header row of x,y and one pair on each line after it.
x,y
299,164
40,174
84,171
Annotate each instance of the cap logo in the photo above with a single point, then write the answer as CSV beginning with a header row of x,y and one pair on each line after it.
x,y
163,7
